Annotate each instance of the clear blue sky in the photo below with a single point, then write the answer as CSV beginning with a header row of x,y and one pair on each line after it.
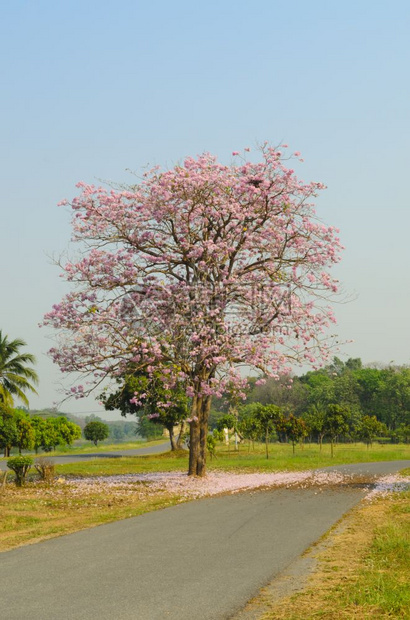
x,y
90,89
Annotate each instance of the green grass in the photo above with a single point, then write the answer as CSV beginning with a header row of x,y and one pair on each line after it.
x,y
281,459
126,465
307,457
90,448
384,581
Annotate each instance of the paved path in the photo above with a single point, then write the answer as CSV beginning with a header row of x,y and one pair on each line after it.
x,y
203,559
76,458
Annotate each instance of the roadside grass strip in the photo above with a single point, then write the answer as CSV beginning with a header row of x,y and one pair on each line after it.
x,y
362,567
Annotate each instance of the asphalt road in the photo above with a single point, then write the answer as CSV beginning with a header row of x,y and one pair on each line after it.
x,y
204,559
75,458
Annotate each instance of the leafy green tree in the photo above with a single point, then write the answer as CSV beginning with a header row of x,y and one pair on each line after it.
x,y
8,428
39,426
250,429
369,428
49,436
295,429
166,407
25,439
370,385
402,433
395,397
147,429
314,419
211,445
96,431
336,423
269,418
229,421
67,432
287,392
51,432
20,465
16,375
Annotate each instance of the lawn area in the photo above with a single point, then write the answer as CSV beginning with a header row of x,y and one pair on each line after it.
x,y
308,456
89,448
363,572
280,459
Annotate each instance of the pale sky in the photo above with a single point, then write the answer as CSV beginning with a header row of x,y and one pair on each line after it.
x,y
91,89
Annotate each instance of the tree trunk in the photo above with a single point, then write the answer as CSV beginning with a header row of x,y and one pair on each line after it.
x,y
198,435
170,430
266,442
180,435
203,435
194,437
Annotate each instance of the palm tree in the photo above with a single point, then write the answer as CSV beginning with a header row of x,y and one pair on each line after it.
x,y
15,376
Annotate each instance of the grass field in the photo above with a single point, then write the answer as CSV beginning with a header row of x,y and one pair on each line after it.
x,y
280,459
90,448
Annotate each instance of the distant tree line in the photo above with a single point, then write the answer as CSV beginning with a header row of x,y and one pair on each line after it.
x,y
344,400
19,429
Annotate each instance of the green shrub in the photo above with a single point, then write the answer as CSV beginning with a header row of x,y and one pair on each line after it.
x,y
20,465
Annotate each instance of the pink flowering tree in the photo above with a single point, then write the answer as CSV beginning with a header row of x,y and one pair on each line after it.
x,y
193,273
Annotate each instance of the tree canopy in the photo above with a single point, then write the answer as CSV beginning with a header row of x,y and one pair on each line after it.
x,y
16,375
194,272
96,431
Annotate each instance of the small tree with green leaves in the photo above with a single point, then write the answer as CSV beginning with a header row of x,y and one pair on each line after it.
x,y
164,406
314,419
211,445
295,429
25,439
369,428
8,428
250,429
48,435
269,419
403,433
96,431
21,466
336,423
67,432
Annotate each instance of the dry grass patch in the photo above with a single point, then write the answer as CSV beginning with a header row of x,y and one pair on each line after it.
x,y
40,511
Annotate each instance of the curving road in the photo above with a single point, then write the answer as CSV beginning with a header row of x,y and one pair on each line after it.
x,y
204,559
